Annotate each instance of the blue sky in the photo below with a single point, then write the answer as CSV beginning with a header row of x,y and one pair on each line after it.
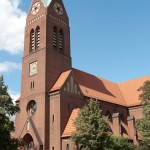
x,y
109,38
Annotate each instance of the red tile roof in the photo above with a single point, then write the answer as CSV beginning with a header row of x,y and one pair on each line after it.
x,y
98,88
61,80
124,93
129,90
70,128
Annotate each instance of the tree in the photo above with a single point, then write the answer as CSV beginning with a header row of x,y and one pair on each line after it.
x,y
143,124
7,109
121,143
92,129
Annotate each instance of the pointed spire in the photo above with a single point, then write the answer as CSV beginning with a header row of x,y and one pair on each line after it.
x,y
46,3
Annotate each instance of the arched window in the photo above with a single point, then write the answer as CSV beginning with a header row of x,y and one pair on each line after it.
x,y
32,40
55,37
31,108
37,37
61,42
67,147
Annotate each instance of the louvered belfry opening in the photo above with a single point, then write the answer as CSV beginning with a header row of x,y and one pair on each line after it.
x,y
61,40
32,40
55,37
37,37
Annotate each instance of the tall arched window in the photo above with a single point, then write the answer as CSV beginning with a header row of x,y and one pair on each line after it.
x,y
37,37
61,40
67,147
32,40
55,37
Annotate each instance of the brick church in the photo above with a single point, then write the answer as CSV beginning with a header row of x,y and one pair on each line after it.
x,y
52,91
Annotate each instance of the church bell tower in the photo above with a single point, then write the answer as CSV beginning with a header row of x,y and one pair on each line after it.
x,y
46,56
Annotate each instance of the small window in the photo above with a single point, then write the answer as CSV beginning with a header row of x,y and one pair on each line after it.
x,y
33,84
37,37
53,119
55,37
32,40
67,147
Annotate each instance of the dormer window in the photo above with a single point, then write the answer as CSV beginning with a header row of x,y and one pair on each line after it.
x,y
37,37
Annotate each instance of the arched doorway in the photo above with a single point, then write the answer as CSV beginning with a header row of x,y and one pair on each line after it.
x,y
28,141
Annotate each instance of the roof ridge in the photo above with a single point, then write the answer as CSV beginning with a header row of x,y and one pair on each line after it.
x,y
95,75
134,79
57,87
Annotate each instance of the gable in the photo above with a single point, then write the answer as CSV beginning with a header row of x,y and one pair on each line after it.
x,y
71,86
67,83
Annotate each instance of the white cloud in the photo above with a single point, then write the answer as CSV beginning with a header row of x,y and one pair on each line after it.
x,y
8,66
14,95
12,23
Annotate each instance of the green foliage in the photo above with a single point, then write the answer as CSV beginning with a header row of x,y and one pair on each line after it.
x,y
7,109
121,143
143,124
92,129
145,89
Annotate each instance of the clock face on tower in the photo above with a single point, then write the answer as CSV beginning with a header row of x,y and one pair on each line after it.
x,y
35,8
33,68
58,8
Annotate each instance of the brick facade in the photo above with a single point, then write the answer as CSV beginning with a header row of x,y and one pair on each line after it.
x,y
57,89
